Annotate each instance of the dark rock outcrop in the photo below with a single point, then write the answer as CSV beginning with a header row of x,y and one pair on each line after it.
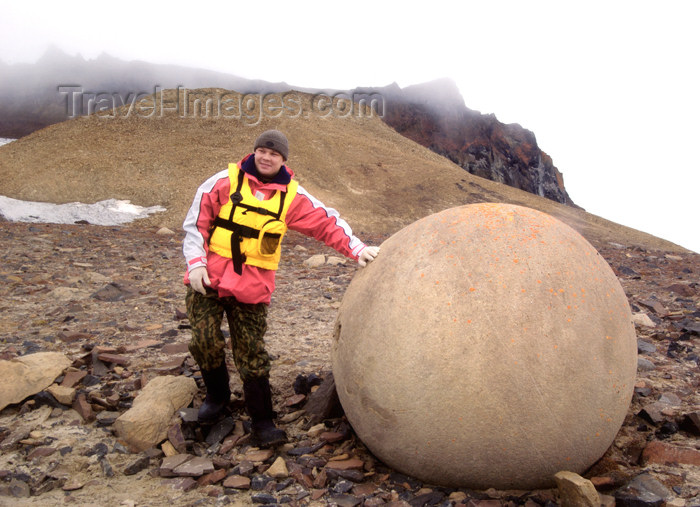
x,y
434,115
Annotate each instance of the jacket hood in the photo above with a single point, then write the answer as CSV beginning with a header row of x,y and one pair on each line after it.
x,y
282,178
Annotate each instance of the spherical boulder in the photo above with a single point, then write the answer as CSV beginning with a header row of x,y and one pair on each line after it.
x,y
488,345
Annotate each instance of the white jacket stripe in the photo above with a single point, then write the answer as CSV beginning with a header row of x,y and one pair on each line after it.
x,y
193,244
354,242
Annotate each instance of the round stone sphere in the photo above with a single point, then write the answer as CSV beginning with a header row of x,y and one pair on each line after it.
x,y
488,345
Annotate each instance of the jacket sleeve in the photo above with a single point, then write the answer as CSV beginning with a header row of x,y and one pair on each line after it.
x,y
210,196
310,216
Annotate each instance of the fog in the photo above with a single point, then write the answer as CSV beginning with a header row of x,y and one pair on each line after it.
x,y
608,88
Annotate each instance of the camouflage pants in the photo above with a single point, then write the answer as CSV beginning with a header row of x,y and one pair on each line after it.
x,y
247,324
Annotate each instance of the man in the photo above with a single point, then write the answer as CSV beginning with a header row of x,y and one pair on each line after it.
x,y
232,246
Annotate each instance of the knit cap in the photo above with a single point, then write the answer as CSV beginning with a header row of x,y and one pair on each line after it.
x,y
274,140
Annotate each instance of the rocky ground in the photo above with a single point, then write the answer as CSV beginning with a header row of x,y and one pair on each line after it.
x,y
111,299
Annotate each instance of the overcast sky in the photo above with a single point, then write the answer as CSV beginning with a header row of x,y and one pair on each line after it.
x,y
610,89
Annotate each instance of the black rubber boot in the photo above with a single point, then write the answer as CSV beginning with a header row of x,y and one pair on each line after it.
x,y
258,400
218,393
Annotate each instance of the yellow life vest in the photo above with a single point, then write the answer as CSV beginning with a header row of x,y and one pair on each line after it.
x,y
248,230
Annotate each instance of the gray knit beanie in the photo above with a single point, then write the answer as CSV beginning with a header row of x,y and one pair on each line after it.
x,y
275,140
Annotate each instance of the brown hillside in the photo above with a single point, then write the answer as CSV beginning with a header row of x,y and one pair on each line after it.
x,y
379,180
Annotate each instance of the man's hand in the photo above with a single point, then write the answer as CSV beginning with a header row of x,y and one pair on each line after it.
x,y
367,255
198,278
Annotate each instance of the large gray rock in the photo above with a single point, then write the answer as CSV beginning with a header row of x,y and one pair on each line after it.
x,y
146,423
27,375
488,345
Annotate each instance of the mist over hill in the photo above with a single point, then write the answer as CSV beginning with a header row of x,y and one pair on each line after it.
x,y
379,180
59,87
33,96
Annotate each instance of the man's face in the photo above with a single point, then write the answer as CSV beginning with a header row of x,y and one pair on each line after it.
x,y
268,162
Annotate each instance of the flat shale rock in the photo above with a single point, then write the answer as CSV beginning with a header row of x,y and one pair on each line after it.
x,y
237,482
27,375
64,395
669,454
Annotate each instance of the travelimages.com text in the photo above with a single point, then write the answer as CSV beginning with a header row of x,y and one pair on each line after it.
x,y
249,108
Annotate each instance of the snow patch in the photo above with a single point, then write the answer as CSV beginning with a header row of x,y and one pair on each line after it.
x,y
109,212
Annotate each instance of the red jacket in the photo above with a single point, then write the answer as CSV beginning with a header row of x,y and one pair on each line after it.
x,y
255,285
